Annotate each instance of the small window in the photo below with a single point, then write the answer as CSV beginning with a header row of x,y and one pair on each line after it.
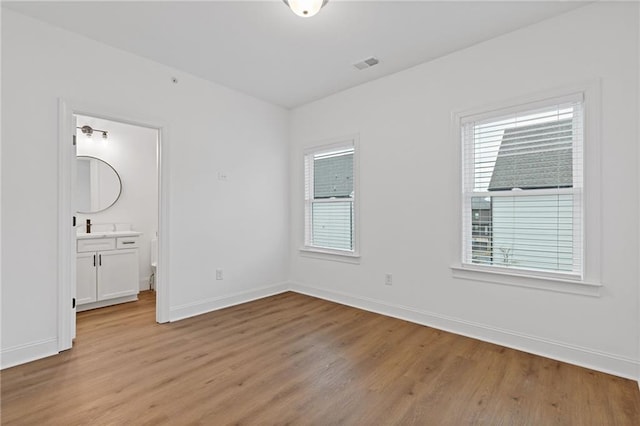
x,y
329,199
522,188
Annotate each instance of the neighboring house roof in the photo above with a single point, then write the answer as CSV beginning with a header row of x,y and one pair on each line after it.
x,y
535,156
333,176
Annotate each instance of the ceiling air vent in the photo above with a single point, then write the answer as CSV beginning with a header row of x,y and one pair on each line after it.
x,y
369,62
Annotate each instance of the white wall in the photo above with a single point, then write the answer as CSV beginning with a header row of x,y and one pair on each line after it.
x,y
133,152
240,224
409,190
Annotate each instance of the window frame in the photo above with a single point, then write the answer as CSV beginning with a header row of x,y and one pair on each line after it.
x,y
350,256
588,281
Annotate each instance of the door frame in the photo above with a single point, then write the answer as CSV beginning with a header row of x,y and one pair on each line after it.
x,y
67,233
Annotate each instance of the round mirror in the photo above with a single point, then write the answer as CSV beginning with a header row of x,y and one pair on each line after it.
x,y
98,185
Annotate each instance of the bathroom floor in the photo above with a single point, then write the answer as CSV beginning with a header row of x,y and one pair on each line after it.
x,y
89,322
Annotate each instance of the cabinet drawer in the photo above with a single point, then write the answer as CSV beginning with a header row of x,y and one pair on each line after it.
x,y
127,242
95,244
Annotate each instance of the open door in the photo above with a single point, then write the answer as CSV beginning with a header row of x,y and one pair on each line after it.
x,y
66,227
74,179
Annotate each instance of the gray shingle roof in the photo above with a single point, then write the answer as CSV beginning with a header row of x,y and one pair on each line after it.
x,y
535,156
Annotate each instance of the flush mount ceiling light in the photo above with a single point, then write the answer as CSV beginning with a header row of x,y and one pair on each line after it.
x,y
305,8
88,131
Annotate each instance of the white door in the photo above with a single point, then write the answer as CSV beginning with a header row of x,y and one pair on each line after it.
x,y
86,278
117,273
72,202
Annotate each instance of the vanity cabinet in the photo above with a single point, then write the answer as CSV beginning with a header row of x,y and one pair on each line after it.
x,y
86,278
106,271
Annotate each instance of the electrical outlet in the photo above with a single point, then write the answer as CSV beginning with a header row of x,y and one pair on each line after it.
x,y
219,275
388,279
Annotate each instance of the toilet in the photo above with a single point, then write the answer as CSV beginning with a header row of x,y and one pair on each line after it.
x,y
154,263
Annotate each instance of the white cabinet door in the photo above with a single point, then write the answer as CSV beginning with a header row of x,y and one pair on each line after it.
x,y
85,278
117,273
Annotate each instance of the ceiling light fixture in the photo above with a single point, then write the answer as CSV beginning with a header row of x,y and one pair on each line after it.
x,y
305,8
88,131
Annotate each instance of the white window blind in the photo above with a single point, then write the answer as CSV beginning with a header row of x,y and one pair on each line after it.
x,y
329,198
522,194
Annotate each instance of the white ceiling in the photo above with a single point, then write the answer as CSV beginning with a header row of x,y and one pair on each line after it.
x,y
261,48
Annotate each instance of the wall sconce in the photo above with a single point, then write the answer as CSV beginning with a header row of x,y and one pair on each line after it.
x,y
88,131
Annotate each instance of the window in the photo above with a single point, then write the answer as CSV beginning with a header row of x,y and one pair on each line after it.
x,y
522,188
329,199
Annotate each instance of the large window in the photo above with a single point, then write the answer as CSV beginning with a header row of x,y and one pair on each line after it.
x,y
329,199
522,189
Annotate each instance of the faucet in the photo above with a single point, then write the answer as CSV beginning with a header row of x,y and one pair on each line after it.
x,y
88,228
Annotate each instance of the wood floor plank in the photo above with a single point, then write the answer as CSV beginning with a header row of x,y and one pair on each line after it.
x,y
294,359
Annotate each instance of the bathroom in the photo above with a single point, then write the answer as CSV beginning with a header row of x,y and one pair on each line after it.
x,y
116,198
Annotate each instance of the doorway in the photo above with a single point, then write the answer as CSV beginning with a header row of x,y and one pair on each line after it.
x,y
116,204
121,161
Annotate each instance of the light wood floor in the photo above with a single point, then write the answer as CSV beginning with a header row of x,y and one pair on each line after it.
x,y
293,359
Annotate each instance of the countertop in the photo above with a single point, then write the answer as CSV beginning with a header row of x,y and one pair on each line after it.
x,y
109,234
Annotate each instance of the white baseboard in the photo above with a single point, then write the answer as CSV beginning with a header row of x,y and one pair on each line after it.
x,y
584,357
204,306
22,354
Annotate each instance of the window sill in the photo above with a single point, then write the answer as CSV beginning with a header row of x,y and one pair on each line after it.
x,y
549,283
336,256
